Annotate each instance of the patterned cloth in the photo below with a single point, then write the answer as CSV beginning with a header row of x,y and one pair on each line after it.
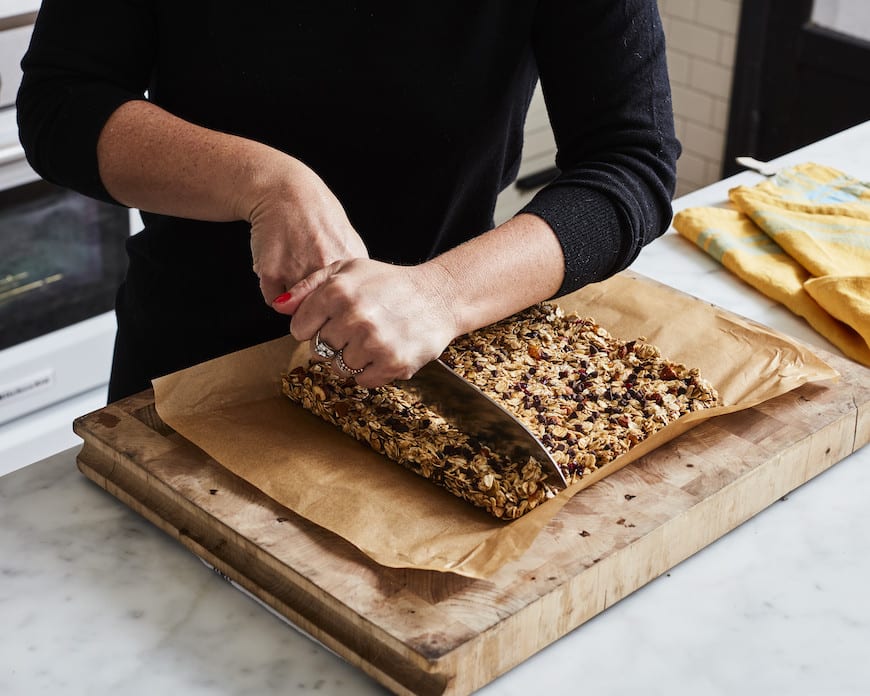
x,y
803,239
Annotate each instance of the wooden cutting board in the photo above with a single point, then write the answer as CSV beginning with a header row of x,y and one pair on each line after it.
x,y
421,632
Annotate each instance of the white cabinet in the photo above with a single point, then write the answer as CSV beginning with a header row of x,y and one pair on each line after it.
x,y
16,26
539,153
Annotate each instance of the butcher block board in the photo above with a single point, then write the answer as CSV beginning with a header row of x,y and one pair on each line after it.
x,y
423,632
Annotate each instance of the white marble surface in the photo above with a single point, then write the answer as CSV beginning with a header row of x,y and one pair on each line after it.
x,y
93,600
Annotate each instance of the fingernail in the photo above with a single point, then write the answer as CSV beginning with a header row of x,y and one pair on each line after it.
x,y
281,299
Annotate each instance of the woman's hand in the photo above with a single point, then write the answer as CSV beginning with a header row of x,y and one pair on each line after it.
x,y
297,227
392,320
389,320
155,161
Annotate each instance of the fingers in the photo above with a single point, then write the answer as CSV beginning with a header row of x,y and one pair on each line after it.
x,y
351,361
296,231
315,300
288,302
332,351
369,354
353,347
341,365
378,315
273,292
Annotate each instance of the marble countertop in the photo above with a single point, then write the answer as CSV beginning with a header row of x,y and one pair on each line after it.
x,y
94,600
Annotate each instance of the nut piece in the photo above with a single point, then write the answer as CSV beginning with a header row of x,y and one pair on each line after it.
x,y
588,396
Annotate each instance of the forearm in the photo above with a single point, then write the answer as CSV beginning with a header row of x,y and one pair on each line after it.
x,y
500,272
152,160
388,320
614,129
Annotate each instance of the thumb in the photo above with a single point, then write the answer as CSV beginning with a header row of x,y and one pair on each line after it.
x,y
289,302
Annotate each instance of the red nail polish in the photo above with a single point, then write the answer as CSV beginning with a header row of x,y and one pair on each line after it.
x,y
281,299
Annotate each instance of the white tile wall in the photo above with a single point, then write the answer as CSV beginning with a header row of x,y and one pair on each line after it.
x,y
702,39
539,154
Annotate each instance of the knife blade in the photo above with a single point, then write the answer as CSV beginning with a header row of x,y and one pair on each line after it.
x,y
465,406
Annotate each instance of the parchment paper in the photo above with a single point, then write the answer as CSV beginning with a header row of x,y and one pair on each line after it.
x,y
232,408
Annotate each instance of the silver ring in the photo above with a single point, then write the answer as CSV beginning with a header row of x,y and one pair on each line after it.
x,y
322,349
343,367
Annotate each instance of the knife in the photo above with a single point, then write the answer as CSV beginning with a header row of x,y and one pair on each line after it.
x,y
465,406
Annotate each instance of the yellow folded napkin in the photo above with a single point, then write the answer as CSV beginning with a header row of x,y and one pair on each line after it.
x,y
802,239
819,216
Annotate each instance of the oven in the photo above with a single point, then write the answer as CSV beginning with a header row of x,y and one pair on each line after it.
x,y
62,257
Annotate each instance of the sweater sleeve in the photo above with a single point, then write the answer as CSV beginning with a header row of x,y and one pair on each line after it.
x,y
86,58
605,83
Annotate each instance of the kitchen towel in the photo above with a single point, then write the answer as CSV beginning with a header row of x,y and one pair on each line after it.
x,y
803,239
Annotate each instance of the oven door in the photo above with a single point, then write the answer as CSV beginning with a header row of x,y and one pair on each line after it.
x,y
62,257
61,260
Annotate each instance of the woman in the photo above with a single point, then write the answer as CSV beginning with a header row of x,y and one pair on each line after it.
x,y
339,163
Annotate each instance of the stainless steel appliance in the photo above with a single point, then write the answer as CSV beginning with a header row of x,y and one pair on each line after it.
x,y
61,259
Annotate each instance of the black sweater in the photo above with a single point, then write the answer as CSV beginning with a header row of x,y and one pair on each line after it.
x,y
411,112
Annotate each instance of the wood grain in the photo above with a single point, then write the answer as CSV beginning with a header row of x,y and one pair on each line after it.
x,y
420,632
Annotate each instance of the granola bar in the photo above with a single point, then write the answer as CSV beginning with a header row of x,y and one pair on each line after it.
x,y
588,396
393,422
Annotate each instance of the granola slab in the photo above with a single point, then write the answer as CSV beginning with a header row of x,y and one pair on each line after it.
x,y
588,396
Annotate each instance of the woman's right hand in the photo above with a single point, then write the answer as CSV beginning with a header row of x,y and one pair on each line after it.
x,y
298,226
150,159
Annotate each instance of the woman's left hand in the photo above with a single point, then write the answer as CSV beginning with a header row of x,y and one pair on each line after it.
x,y
389,320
